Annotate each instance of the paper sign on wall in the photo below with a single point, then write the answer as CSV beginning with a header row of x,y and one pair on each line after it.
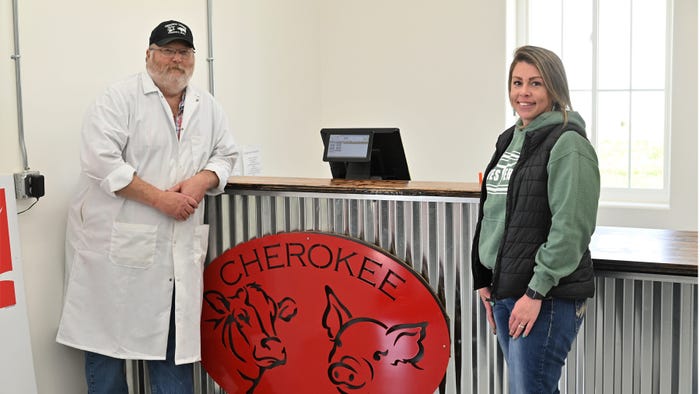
x,y
249,161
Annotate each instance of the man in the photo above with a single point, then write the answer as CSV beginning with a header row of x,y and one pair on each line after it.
x,y
152,147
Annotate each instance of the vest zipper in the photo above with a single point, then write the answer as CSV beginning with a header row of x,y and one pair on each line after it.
x,y
509,202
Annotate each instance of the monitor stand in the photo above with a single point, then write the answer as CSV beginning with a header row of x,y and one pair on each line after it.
x,y
357,170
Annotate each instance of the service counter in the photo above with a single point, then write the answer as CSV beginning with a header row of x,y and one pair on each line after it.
x,y
640,331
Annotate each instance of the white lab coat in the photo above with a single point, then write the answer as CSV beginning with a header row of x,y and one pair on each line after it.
x,y
123,257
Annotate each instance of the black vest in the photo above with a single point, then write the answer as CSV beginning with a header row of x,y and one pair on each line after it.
x,y
527,222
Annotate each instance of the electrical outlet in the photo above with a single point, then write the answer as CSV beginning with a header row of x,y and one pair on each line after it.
x,y
29,184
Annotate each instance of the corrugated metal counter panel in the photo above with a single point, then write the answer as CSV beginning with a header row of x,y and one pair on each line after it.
x,y
433,237
639,335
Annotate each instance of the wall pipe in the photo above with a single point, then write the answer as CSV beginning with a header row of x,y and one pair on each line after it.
x,y
18,86
210,42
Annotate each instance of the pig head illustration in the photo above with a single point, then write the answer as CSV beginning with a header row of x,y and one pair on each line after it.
x,y
365,349
247,320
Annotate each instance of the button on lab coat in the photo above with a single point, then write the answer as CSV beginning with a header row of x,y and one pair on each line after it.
x,y
123,258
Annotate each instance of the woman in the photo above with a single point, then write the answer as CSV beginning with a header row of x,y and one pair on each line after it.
x,y
539,199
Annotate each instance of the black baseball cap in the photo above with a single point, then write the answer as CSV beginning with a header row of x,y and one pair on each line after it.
x,y
169,31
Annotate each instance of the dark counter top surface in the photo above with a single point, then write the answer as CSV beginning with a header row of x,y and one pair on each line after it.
x,y
641,250
323,185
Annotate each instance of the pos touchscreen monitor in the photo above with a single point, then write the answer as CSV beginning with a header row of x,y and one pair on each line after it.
x,y
365,153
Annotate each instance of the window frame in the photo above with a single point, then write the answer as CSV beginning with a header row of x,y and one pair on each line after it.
x,y
517,32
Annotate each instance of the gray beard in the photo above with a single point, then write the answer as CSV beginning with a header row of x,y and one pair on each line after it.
x,y
169,85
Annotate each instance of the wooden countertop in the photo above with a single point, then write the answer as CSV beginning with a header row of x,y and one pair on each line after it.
x,y
641,250
618,249
324,185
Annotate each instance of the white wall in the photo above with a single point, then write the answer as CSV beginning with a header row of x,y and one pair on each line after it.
x,y
266,70
283,71
427,68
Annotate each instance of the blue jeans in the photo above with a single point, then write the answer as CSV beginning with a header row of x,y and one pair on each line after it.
x,y
107,375
535,362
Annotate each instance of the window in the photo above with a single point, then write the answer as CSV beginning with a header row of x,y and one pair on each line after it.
x,y
616,57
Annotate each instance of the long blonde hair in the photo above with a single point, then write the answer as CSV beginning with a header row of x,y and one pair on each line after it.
x,y
552,71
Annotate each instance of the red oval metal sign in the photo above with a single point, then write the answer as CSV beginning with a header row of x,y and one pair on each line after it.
x,y
308,312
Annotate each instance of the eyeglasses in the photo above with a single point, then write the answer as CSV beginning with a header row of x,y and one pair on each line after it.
x,y
170,52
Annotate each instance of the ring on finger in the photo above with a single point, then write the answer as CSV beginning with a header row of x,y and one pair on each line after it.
x,y
521,325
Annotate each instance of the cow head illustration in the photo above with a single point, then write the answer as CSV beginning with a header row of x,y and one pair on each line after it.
x,y
364,347
247,320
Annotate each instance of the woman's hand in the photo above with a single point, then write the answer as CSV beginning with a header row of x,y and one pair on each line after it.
x,y
523,316
485,295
